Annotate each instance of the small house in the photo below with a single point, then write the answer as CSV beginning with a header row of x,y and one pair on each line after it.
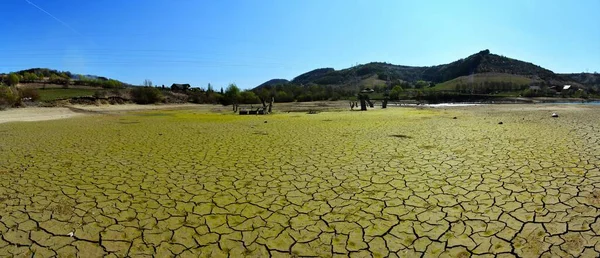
x,y
180,87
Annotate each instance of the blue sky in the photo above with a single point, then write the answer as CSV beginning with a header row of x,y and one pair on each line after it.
x,y
249,42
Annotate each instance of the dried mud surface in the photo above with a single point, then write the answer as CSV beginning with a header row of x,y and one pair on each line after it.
x,y
398,182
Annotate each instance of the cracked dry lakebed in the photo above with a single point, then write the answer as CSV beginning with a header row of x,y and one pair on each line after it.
x,y
399,182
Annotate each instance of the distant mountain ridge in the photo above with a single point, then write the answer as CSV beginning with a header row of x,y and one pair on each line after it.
x,y
479,63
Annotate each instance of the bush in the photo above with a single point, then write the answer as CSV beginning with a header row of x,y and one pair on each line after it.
x,y
13,79
146,95
31,94
9,97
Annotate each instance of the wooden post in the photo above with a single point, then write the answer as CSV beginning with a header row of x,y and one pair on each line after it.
x,y
384,104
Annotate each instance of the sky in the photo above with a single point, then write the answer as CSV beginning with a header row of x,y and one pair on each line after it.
x,y
249,42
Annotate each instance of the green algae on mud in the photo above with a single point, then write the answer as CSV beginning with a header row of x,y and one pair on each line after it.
x,y
184,182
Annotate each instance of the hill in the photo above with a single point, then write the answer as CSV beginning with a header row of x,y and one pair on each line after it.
x,y
273,82
498,69
582,78
45,75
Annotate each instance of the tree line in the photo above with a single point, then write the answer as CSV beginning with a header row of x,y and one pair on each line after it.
x,y
47,76
489,87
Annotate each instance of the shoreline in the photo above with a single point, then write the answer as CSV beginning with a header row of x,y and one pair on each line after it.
x,y
34,114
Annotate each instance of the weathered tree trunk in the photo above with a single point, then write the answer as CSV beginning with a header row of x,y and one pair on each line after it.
x,y
264,103
370,103
363,104
271,104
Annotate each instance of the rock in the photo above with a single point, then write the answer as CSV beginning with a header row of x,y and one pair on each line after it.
x,y
500,123
265,122
554,115
454,118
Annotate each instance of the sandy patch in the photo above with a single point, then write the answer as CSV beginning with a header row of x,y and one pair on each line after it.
x,y
31,114
35,114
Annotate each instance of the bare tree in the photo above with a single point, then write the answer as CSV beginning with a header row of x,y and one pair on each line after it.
x,y
147,83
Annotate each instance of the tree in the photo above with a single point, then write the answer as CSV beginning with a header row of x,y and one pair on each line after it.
x,y
419,95
265,94
248,97
13,79
232,94
282,96
209,89
29,77
421,84
395,92
55,79
112,84
147,83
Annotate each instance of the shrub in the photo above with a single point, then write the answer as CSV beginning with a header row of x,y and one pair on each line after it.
x,y
146,95
13,79
31,94
9,97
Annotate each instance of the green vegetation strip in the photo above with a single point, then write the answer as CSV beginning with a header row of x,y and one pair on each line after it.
x,y
54,94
